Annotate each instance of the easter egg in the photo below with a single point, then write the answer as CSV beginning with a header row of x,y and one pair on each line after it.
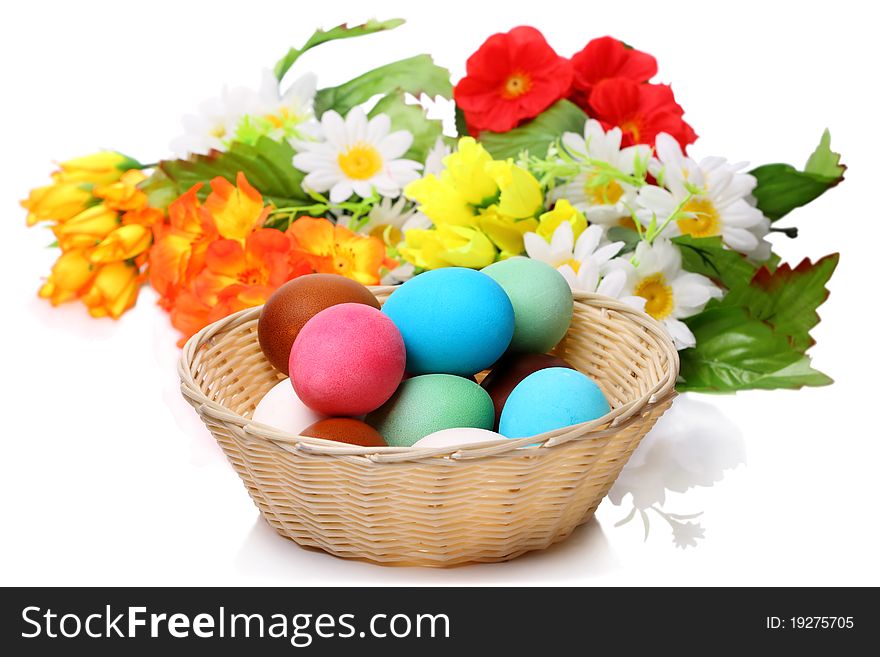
x,y
281,409
347,360
453,321
457,436
345,430
509,371
295,303
550,399
542,302
431,402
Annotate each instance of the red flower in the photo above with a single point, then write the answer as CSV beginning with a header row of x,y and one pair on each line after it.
x,y
642,111
512,77
604,58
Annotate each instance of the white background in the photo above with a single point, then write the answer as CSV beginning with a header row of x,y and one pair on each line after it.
x,y
108,477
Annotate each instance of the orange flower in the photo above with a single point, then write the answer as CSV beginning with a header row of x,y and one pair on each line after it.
x,y
178,251
236,277
335,249
236,209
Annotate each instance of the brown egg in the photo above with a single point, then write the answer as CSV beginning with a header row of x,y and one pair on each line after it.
x,y
345,430
295,303
510,370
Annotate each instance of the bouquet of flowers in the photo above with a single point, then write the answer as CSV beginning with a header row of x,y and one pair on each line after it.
x,y
581,162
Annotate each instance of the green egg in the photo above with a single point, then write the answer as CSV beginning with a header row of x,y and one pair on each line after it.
x,y
431,402
542,302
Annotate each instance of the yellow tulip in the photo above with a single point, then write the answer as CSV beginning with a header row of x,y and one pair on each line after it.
x,y
448,246
520,192
562,211
466,171
71,274
441,201
122,244
86,229
506,233
113,291
123,194
58,202
99,168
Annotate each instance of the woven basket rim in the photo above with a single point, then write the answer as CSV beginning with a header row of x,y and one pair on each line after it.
x,y
599,429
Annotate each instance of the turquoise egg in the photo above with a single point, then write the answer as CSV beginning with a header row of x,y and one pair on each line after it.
x,y
453,321
542,302
550,399
425,404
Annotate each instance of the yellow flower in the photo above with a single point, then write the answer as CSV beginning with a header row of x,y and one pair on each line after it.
x,y
441,201
123,194
506,233
448,246
466,170
71,275
521,195
124,243
562,211
58,202
86,229
237,209
99,168
113,291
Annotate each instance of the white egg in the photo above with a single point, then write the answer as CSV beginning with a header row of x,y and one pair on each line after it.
x,y
282,409
460,436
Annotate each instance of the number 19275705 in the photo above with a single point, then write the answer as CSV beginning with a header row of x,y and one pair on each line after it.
x,y
810,623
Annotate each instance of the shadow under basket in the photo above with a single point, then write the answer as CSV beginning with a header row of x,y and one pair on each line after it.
x,y
435,506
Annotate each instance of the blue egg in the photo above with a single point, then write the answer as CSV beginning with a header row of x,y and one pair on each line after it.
x,y
550,399
453,321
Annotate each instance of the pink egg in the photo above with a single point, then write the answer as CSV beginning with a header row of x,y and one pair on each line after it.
x,y
347,360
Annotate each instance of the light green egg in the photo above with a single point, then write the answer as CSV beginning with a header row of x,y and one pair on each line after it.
x,y
542,302
431,402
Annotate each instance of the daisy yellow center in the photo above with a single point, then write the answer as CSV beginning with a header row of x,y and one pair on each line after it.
x,y
516,85
657,295
703,221
388,233
574,264
627,222
218,131
360,162
607,194
278,120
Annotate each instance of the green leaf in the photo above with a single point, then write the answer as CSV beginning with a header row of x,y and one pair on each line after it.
x,y
536,135
736,351
416,75
787,298
628,236
268,166
339,32
823,161
404,116
707,256
460,123
782,188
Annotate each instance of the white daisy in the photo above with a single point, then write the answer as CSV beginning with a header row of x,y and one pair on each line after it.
x,y
389,219
719,205
400,274
601,197
434,161
562,250
670,293
284,116
356,155
214,125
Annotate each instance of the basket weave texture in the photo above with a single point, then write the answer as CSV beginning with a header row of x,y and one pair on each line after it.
x,y
435,506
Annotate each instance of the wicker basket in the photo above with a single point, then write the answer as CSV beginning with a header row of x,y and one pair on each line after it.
x,y
435,506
